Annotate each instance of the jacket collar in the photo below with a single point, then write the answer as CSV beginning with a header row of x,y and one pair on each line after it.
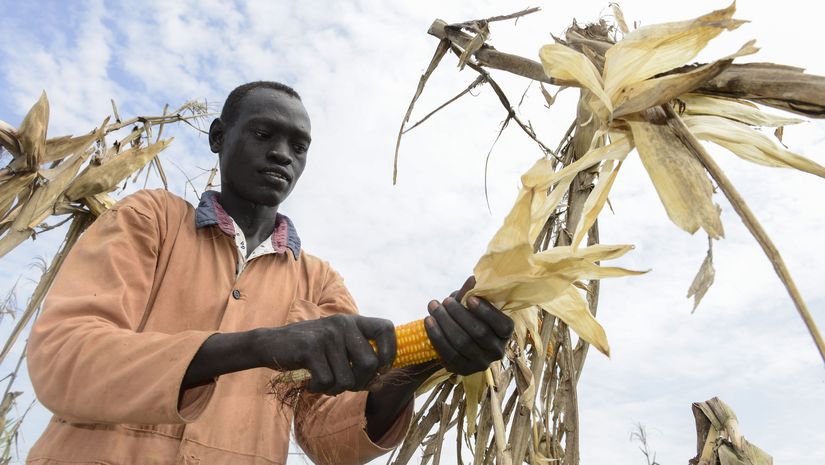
x,y
210,213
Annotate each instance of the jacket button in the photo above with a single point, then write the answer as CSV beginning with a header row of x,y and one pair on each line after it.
x,y
236,294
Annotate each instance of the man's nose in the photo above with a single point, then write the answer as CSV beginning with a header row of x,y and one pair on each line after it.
x,y
279,153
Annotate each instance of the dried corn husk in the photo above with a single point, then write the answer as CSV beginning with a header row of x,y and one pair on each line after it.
x,y
60,147
564,63
748,143
719,439
679,178
32,136
655,49
96,179
54,181
650,93
738,110
9,140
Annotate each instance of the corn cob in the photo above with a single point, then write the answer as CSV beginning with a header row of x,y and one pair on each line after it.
x,y
414,345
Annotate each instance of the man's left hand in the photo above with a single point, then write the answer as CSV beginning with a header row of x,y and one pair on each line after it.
x,y
468,339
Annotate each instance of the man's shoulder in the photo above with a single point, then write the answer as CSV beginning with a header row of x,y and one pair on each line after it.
x,y
155,203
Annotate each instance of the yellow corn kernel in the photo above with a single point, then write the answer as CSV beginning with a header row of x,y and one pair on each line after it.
x,y
414,345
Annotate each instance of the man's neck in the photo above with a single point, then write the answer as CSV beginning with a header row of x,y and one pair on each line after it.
x,y
256,221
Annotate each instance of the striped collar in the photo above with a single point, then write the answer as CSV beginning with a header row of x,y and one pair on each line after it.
x,y
211,213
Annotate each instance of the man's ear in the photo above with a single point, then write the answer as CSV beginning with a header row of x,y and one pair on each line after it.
x,y
216,133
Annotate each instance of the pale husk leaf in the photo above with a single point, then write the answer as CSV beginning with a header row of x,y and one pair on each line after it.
x,y
41,204
562,62
12,239
61,147
11,189
572,308
681,182
735,109
703,279
8,139
96,179
654,49
32,135
542,177
748,143
473,392
649,93
596,200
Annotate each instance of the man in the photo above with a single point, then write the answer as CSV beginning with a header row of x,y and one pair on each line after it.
x,y
158,339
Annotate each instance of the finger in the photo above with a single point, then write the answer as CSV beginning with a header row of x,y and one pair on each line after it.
x,y
500,323
460,340
465,288
448,354
478,329
322,378
363,358
383,333
340,366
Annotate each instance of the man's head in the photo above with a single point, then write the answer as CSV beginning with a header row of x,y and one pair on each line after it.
x,y
262,138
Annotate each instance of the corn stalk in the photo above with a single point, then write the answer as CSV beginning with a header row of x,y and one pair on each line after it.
x,y
527,409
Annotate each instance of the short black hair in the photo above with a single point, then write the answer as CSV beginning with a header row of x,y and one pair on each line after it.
x,y
230,106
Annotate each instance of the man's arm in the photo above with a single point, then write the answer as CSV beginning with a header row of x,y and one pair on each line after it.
x,y
87,361
334,349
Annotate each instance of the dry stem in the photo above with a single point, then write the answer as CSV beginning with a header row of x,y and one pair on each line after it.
x,y
739,205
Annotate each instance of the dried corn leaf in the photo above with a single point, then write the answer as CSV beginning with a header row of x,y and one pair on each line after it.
x,y
542,282
8,139
542,177
562,62
99,203
12,239
681,182
618,15
525,323
596,200
473,392
739,110
41,204
719,439
96,179
61,147
572,308
654,49
649,93
32,135
11,189
525,384
748,143
703,279
499,428
437,378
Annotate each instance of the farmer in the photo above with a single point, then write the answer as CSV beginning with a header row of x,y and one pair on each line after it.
x,y
159,338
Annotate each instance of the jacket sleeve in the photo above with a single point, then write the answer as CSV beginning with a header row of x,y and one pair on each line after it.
x,y
86,361
332,430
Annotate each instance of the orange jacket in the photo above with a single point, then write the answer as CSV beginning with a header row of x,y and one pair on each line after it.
x,y
136,297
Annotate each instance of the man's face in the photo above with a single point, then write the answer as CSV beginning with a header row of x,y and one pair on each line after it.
x,y
263,151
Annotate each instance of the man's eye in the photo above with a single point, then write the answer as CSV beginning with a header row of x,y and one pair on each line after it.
x,y
300,148
261,134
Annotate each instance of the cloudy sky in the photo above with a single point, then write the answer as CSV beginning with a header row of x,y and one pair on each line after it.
x,y
356,65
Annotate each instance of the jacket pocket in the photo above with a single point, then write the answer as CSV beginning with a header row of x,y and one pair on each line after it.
x,y
302,310
172,431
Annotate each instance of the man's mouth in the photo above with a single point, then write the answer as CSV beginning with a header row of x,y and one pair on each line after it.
x,y
279,175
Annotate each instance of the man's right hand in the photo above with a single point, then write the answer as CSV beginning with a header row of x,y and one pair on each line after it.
x,y
335,350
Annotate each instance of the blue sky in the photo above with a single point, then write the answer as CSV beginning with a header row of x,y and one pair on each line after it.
x,y
356,65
